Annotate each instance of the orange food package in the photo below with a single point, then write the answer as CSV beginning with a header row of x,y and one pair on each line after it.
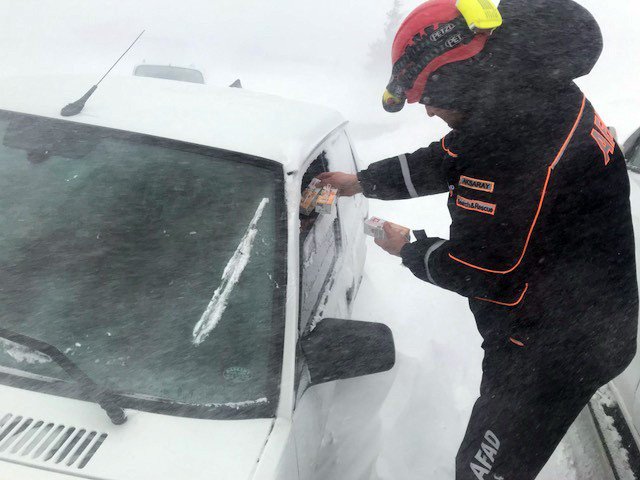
x,y
327,200
309,197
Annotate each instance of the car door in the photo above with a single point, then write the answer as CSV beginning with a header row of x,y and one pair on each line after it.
x,y
352,213
330,269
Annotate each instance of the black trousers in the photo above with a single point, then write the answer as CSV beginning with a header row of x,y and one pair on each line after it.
x,y
528,400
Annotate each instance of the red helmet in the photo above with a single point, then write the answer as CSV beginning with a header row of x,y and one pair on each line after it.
x,y
433,35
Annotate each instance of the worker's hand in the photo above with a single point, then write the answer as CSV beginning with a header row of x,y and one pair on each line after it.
x,y
394,242
347,184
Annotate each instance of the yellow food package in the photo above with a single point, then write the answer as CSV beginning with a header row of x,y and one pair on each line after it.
x,y
327,200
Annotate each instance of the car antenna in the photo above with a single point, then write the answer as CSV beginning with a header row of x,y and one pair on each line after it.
x,y
76,107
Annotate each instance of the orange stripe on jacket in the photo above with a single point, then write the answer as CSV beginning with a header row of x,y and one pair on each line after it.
x,y
542,197
514,304
444,147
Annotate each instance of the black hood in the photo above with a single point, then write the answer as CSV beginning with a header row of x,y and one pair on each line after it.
x,y
546,40
542,46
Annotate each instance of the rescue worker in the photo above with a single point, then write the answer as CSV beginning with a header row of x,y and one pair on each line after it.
x,y
541,239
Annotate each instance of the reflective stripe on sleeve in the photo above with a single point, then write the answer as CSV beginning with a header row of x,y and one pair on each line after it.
x,y
406,173
432,249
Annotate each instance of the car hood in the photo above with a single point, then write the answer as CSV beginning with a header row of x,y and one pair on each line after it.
x,y
147,447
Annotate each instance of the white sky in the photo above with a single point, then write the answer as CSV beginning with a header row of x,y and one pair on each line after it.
x,y
309,50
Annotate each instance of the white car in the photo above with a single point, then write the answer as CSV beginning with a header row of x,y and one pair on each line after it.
x,y
167,313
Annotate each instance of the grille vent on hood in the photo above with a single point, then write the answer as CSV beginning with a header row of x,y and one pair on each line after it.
x,y
30,440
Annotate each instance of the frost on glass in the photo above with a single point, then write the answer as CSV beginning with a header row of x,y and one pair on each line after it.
x,y
114,256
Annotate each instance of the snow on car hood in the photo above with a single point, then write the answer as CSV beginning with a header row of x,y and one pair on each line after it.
x,y
147,447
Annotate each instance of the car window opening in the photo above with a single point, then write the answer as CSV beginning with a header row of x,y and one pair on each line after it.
x,y
319,235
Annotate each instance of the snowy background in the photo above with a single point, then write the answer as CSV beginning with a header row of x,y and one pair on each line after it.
x,y
334,53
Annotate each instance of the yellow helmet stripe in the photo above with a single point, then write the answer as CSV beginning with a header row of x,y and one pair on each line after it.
x,y
480,14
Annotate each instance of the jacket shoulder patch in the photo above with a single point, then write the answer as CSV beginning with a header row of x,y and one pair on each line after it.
x,y
603,138
476,205
477,184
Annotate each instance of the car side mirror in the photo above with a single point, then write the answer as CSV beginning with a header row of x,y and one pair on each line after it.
x,y
340,349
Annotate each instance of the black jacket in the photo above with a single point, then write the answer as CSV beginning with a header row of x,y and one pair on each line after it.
x,y
541,239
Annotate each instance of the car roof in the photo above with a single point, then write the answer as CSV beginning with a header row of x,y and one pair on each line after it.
x,y
234,119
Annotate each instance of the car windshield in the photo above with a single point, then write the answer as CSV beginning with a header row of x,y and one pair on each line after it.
x,y
169,73
143,261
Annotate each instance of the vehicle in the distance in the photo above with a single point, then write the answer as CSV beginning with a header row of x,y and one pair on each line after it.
x,y
623,410
627,385
169,72
166,311
632,151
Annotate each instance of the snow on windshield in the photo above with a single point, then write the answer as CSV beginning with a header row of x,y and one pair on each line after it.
x,y
230,277
20,353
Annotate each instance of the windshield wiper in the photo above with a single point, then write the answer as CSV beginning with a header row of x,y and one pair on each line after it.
x,y
102,397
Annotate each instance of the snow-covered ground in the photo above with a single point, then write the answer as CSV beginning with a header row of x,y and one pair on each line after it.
x,y
317,51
